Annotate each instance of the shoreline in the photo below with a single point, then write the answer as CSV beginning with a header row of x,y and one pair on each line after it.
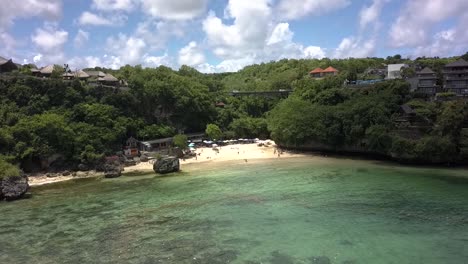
x,y
230,153
205,157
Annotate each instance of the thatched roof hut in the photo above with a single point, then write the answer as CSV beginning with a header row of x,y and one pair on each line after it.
x,y
81,75
7,65
108,78
47,70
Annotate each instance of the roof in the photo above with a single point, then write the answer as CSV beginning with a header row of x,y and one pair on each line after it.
x,y
330,69
108,78
161,140
427,70
81,74
95,73
407,109
47,69
458,63
68,74
3,60
317,70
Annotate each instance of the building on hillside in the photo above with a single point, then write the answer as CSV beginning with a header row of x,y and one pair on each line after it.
x,y
81,75
456,77
427,82
131,147
68,76
35,71
394,71
7,65
320,73
316,73
161,144
330,71
46,71
108,79
95,75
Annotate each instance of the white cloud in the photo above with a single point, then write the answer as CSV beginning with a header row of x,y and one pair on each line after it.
x,y
295,9
251,27
85,62
81,38
88,18
50,41
37,58
447,42
113,5
314,52
11,10
253,37
370,14
49,38
125,50
175,9
155,61
7,43
156,34
191,55
417,19
281,33
355,48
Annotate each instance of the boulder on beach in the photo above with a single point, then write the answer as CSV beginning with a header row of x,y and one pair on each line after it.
x,y
12,188
112,174
112,169
166,165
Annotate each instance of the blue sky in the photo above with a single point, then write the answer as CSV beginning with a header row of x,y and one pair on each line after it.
x,y
226,35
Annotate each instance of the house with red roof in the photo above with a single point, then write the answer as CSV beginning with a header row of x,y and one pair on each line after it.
x,y
319,73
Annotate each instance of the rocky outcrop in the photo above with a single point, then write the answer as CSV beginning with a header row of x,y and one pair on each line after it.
x,y
166,165
12,188
112,169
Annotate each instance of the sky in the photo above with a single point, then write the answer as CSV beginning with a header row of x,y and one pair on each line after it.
x,y
226,35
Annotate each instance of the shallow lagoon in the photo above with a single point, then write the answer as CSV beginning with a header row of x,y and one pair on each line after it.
x,y
301,210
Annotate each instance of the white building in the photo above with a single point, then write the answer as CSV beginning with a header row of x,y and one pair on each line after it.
x,y
394,70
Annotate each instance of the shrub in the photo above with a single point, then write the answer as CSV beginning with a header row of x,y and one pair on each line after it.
x,y
8,169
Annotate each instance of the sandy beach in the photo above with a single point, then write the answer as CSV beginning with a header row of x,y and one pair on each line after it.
x,y
205,157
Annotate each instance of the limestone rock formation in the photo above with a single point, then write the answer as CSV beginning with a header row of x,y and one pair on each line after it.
x,y
12,188
166,165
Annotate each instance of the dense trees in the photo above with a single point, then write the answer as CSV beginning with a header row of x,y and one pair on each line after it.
x,y
81,123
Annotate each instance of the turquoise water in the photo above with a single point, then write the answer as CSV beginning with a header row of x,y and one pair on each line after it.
x,y
302,210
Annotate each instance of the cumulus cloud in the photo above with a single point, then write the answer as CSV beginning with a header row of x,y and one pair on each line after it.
x,y
113,5
88,18
280,33
49,38
295,9
370,14
191,55
174,10
125,50
156,33
81,38
413,29
252,37
7,43
355,48
47,9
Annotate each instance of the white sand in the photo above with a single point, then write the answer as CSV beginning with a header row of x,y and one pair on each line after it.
x,y
226,153
206,157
